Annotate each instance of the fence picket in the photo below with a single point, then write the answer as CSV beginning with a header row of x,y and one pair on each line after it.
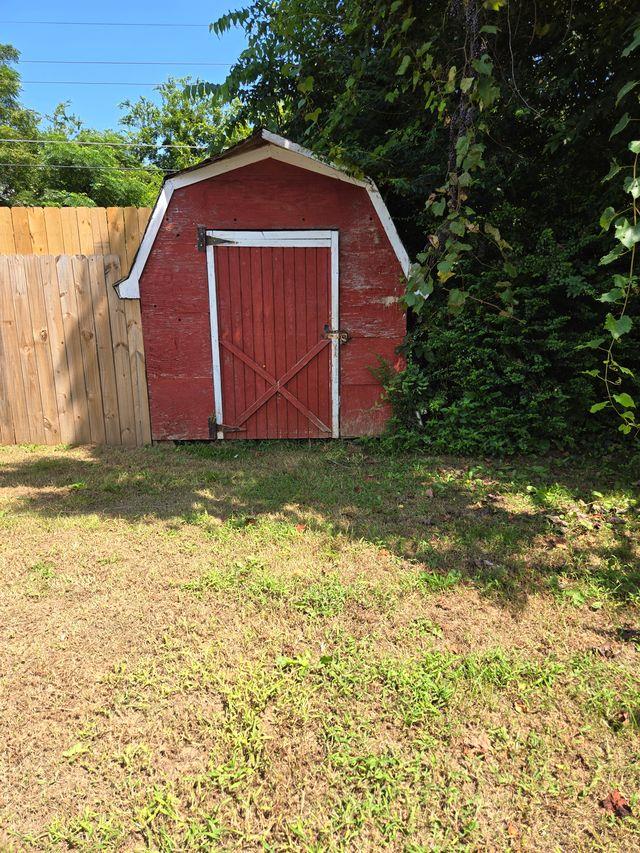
x,y
72,361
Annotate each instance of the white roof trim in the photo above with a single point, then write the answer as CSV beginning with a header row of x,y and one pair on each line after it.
x,y
278,148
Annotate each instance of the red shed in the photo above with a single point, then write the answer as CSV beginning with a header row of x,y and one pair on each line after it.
x,y
269,284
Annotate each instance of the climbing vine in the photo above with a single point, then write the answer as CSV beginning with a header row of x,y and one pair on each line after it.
x,y
619,320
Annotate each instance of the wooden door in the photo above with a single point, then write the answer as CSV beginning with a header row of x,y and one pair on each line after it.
x,y
274,309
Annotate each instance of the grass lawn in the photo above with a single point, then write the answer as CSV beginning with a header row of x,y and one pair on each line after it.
x,y
316,647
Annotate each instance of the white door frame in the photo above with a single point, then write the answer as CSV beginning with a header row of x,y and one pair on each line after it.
x,y
276,239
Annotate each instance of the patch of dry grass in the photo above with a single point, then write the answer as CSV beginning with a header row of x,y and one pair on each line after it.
x,y
316,648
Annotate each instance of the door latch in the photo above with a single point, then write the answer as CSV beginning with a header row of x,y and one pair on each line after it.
x,y
335,334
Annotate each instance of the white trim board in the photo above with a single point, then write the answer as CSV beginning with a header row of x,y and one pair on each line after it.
x,y
283,239
277,148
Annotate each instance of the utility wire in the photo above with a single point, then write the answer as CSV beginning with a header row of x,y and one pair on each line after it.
x,y
118,62
119,144
102,24
150,169
91,83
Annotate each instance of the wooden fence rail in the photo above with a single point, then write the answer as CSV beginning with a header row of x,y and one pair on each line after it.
x,y
71,354
72,366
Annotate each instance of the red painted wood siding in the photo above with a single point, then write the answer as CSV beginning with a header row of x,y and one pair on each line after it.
x,y
273,305
268,194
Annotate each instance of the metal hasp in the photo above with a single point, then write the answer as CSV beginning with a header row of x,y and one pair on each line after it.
x,y
201,242
335,334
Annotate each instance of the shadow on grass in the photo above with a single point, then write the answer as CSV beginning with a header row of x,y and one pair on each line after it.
x,y
509,530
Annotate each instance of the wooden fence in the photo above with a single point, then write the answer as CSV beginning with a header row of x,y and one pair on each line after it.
x,y
72,365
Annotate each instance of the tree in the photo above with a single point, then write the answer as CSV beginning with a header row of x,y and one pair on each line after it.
x,y
16,122
486,125
193,128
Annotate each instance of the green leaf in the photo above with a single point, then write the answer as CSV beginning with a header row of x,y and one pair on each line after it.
x,y
457,227
612,295
306,85
607,218
628,235
484,65
406,59
635,146
624,121
438,207
625,400
466,83
598,407
613,171
594,343
406,24
613,255
457,298
396,5
626,89
632,186
618,327
489,28
634,44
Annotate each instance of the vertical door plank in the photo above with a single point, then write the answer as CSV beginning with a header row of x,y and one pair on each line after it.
x,y
21,234
53,227
120,343
7,382
37,230
7,242
41,334
86,325
69,307
58,347
24,333
105,349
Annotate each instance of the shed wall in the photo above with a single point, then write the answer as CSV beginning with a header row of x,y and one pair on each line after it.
x,y
268,194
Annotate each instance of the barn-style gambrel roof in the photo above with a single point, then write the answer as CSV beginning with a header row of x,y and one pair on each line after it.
x,y
259,146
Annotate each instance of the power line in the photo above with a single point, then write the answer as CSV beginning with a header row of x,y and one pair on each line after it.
x,y
101,142
121,62
90,83
102,24
149,169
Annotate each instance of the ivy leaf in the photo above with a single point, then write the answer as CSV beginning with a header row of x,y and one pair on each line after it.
x,y
457,298
406,59
618,327
598,407
483,65
594,343
628,235
626,89
613,255
613,171
625,400
635,146
624,121
634,44
607,218
306,85
466,83
632,186
612,295
438,207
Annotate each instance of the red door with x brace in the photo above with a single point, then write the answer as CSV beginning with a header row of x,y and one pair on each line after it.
x,y
273,309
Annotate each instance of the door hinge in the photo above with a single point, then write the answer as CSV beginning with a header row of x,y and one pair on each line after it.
x,y
205,239
336,334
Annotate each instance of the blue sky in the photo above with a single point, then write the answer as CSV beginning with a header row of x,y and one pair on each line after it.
x,y
97,105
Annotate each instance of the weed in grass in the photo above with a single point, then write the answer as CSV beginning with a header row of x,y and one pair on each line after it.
x,y
88,832
435,582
